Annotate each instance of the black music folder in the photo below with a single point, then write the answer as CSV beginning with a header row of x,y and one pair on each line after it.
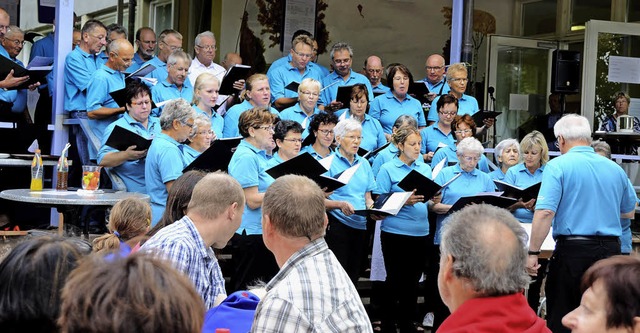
x,y
216,157
515,192
418,89
235,73
303,165
122,138
293,86
423,185
35,75
344,96
386,204
480,116
330,184
366,154
489,198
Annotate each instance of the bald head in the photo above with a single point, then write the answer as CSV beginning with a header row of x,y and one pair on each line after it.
x,y
4,22
373,70
434,68
231,59
120,54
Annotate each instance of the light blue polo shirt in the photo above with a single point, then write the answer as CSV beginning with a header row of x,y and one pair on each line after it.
x,y
279,62
217,122
324,70
232,118
79,67
295,113
164,164
436,88
466,105
136,63
332,81
103,81
497,174
188,154
280,77
160,72
450,154
15,96
518,175
372,133
387,108
383,157
353,193
468,184
412,219
164,91
432,136
44,47
626,245
587,192
4,53
131,172
380,89
309,149
248,166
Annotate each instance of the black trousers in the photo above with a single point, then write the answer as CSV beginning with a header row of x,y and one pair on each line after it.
x,y
348,245
568,263
404,258
252,261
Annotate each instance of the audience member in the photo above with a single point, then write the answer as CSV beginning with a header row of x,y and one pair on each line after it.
x,y
178,198
137,294
205,97
102,109
611,298
343,75
213,216
146,43
374,71
33,275
129,164
129,220
311,292
621,108
169,41
299,68
506,154
482,274
251,258
585,195
388,107
164,158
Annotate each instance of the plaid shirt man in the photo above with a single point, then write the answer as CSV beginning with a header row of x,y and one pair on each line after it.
x,y
311,293
181,243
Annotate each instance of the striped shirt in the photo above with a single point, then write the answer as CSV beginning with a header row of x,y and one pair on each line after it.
x,y
181,243
311,293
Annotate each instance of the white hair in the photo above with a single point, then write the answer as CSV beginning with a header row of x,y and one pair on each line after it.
x,y
469,145
345,126
573,127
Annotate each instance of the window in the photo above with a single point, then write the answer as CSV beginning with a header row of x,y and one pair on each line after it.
x,y
585,10
539,17
161,12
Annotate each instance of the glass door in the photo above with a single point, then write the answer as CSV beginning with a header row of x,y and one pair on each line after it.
x,y
519,71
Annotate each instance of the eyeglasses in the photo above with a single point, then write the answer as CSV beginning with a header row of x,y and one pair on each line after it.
x,y
192,124
462,80
471,158
16,42
302,55
353,138
557,143
450,114
146,102
266,128
325,132
466,131
209,132
293,140
434,68
173,48
208,47
308,93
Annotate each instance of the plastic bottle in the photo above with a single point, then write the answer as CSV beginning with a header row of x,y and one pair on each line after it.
x,y
36,172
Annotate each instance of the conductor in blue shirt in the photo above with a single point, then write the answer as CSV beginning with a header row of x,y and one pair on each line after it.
x,y
585,195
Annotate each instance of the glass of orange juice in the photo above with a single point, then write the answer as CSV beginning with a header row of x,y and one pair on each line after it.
x,y
90,177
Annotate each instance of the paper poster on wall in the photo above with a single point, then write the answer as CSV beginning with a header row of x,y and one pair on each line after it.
x,y
634,107
624,69
298,14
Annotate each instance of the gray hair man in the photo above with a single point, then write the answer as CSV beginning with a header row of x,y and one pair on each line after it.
x,y
9,81
299,298
482,273
343,75
584,195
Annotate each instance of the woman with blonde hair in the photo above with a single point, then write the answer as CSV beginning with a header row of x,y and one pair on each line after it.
x,y
205,97
129,220
256,94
